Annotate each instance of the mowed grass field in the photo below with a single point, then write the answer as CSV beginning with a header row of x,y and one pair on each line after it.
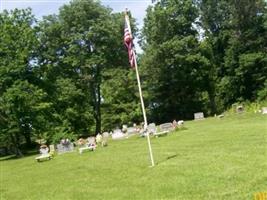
x,y
213,159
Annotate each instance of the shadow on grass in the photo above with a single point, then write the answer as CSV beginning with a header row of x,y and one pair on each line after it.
x,y
183,128
168,158
14,157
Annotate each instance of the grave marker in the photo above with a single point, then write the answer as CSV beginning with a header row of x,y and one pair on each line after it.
x,y
199,116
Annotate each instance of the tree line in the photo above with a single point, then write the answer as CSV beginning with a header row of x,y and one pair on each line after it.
x,y
67,75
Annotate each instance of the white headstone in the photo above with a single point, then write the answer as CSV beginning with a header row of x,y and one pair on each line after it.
x,y
124,128
180,122
264,110
105,135
199,115
117,134
131,130
151,128
98,138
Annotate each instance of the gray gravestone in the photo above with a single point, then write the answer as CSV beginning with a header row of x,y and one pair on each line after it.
x,y
63,148
166,127
151,128
199,116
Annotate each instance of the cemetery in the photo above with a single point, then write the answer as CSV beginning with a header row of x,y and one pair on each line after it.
x,y
138,100
196,157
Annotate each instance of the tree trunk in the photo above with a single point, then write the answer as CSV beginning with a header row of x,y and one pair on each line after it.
x,y
212,101
96,94
27,139
26,130
97,110
15,141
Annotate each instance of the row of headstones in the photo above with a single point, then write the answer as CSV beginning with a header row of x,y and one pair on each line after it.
x,y
239,109
67,146
126,131
151,129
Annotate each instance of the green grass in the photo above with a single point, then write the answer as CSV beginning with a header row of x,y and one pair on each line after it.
x,y
213,159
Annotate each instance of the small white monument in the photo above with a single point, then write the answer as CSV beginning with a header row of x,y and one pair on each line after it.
x,y
151,128
264,110
131,130
117,134
199,116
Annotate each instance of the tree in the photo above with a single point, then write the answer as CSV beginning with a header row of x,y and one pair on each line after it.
x,y
18,94
120,98
172,63
235,32
215,17
79,44
22,106
245,59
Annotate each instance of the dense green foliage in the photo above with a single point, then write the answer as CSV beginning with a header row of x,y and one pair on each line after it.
x,y
68,75
236,35
52,74
173,61
212,159
204,55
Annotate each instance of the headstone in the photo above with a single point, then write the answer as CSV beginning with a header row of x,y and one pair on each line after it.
x,y
105,135
91,140
174,123
117,134
65,146
264,110
124,128
52,147
199,116
81,142
105,139
180,122
44,150
239,109
131,130
151,128
166,127
98,138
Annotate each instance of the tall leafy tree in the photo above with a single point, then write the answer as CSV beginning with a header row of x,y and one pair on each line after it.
x,y
120,98
20,99
215,17
245,60
172,61
79,44
22,108
235,32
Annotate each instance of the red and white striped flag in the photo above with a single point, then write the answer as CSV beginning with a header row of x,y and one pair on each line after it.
x,y
128,41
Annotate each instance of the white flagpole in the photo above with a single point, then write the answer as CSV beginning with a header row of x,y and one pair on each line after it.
x,y
141,98
144,113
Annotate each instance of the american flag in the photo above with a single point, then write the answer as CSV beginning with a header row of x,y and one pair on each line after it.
x,y
128,41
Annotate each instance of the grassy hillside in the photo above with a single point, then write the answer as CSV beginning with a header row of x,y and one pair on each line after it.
x,y
213,159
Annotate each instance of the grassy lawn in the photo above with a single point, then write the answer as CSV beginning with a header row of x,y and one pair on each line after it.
x,y
213,159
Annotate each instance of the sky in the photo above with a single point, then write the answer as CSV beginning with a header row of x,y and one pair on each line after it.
x,y
45,7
